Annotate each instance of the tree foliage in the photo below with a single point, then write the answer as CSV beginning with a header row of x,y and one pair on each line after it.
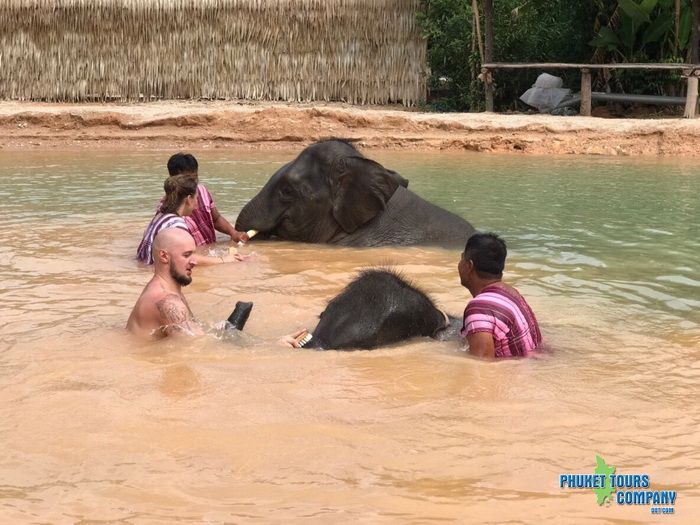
x,y
643,31
452,56
525,31
552,31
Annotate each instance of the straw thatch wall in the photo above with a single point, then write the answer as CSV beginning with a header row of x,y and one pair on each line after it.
x,y
360,51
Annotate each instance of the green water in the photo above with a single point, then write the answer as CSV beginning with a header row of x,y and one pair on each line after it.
x,y
624,228
621,228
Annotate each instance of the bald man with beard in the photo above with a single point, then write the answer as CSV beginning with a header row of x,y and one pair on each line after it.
x,y
162,309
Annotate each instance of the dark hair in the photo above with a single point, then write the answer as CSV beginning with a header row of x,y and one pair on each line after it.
x,y
488,253
177,189
182,163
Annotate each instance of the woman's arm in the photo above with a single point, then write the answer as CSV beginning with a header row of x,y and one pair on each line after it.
x,y
211,260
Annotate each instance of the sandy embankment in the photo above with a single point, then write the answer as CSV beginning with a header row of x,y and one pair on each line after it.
x,y
180,124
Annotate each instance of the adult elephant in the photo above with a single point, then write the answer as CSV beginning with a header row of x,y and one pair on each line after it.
x,y
332,194
379,308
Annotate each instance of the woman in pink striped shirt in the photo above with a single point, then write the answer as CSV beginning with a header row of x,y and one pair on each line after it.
x,y
179,202
498,322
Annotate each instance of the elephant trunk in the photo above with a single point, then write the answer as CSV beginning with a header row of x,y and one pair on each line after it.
x,y
256,216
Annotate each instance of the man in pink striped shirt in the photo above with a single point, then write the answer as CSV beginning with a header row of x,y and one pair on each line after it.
x,y
205,219
498,322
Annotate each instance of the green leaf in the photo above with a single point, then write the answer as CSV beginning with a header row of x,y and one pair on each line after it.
x,y
648,6
633,10
658,29
628,33
605,38
598,41
685,27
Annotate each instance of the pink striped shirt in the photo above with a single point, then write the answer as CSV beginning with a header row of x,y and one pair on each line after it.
x,y
159,222
201,222
504,313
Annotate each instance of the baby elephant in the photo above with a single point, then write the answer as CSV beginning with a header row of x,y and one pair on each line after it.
x,y
378,308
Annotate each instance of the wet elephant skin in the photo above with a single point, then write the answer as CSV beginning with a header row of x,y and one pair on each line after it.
x,y
333,194
377,308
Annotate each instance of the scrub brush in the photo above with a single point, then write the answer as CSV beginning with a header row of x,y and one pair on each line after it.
x,y
303,338
250,234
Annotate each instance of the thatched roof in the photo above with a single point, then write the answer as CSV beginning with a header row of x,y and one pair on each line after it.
x,y
361,51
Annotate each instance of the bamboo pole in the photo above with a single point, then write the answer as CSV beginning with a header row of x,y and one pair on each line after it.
x,y
488,51
676,25
565,65
477,27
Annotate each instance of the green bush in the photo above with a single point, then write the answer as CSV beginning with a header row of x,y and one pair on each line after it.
x,y
447,25
534,31
605,31
643,31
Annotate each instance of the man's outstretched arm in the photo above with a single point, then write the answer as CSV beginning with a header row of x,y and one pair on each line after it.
x,y
225,227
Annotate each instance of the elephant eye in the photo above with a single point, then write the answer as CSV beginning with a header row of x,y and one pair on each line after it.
x,y
286,192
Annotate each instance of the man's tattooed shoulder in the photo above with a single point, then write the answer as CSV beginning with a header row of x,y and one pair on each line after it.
x,y
172,310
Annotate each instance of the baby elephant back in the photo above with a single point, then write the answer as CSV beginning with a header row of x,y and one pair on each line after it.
x,y
378,308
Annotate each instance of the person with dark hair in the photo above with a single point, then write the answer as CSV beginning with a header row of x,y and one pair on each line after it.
x,y
182,163
498,322
179,202
205,219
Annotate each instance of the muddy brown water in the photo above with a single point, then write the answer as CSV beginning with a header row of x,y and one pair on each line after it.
x,y
96,427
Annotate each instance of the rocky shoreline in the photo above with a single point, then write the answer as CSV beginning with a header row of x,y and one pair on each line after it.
x,y
258,125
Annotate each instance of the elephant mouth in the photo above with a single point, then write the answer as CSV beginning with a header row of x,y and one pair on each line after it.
x,y
263,236
272,235
265,229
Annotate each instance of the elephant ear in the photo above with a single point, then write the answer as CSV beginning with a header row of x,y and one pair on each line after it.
x,y
398,178
361,190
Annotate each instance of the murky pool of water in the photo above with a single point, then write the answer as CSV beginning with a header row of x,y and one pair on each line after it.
x,y
95,427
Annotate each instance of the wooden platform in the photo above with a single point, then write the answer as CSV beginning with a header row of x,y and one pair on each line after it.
x,y
690,73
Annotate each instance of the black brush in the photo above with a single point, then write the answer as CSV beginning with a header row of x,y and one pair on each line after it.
x,y
240,314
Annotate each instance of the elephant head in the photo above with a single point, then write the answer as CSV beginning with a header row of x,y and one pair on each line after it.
x,y
377,308
330,189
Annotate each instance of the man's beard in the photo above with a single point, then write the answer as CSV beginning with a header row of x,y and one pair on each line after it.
x,y
182,280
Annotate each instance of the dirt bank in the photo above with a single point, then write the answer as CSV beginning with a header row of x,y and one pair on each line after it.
x,y
178,124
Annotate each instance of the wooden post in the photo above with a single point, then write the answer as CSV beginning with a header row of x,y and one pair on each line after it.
x,y
695,34
487,80
488,50
488,90
585,93
691,98
489,97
